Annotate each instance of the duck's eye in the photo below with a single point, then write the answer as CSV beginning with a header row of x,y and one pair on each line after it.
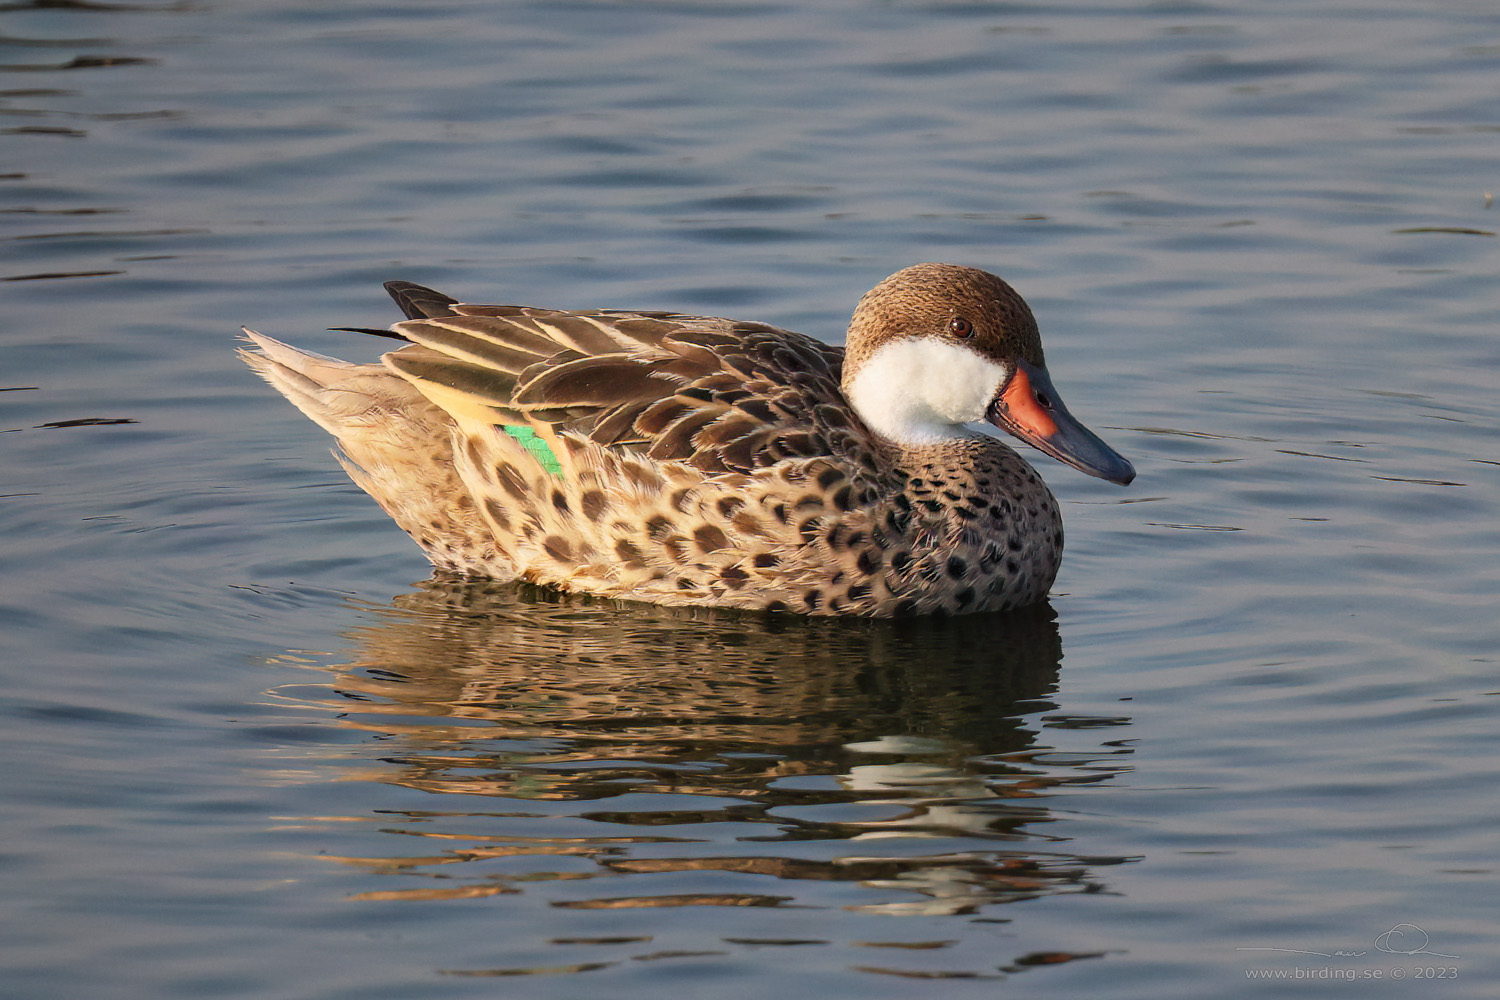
x,y
960,328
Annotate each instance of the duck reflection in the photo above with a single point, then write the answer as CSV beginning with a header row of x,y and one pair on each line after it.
x,y
694,740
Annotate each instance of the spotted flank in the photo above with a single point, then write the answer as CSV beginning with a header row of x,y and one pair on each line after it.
x,y
690,460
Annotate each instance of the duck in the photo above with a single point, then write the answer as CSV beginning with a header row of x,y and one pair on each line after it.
x,y
698,461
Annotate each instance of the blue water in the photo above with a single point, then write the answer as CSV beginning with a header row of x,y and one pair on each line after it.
x,y
253,754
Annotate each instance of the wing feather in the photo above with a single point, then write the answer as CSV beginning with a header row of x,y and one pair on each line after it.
x,y
518,334
598,381
418,302
509,357
719,395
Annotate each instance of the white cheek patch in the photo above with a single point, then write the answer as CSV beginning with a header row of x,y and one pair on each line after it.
x,y
924,390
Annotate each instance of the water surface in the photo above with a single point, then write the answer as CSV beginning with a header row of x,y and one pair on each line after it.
x,y
256,752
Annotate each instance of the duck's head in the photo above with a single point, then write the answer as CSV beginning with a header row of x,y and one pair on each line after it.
x,y
937,346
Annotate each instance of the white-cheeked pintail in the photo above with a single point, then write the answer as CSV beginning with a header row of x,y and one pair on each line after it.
x,y
688,460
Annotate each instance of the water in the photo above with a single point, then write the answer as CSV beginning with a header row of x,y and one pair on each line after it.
x,y
251,754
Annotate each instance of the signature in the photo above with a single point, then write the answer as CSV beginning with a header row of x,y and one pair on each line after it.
x,y
1402,939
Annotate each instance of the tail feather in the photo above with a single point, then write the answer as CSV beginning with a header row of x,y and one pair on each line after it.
x,y
319,386
396,445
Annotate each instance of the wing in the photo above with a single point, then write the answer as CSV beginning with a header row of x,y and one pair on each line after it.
x,y
720,395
